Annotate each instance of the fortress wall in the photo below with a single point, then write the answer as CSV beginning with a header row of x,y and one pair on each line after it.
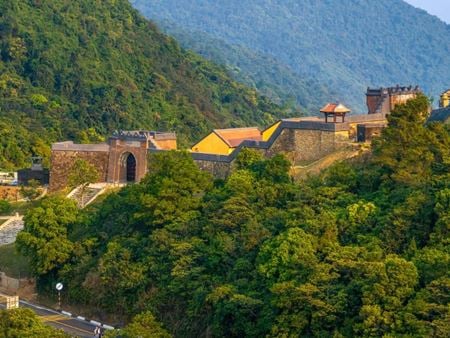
x,y
63,160
217,168
306,145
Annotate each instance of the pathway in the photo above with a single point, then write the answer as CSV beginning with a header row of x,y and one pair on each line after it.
x,y
10,229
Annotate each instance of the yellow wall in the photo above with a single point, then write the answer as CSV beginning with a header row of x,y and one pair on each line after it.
x,y
445,100
212,144
266,134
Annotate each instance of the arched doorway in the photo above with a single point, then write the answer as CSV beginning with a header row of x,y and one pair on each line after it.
x,y
127,167
131,168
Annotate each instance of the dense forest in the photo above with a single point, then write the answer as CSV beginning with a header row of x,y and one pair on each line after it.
x,y
343,45
81,69
261,71
360,250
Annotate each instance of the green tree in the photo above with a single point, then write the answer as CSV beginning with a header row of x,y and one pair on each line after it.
x,y
5,207
406,148
23,323
143,325
44,239
31,191
81,175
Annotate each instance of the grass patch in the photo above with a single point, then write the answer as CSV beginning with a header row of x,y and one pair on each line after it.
x,y
13,263
21,207
2,221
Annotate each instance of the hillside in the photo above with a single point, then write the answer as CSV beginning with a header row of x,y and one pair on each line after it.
x,y
345,45
360,250
270,77
80,69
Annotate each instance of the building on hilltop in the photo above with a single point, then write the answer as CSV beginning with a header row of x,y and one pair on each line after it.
x,y
225,141
122,159
384,100
443,113
302,140
444,102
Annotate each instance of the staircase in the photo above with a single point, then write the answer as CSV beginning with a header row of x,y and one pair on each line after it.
x,y
86,196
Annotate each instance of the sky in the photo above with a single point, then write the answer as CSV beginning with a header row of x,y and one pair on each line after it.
x,y
440,8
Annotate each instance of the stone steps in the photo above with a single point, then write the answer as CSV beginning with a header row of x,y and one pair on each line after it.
x,y
10,229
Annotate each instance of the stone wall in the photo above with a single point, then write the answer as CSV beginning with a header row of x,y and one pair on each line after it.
x,y
63,160
305,145
216,168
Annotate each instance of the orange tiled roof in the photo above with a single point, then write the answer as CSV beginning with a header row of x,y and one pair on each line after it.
x,y
336,108
235,136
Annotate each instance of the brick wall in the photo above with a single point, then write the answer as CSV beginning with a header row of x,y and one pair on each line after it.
x,y
63,160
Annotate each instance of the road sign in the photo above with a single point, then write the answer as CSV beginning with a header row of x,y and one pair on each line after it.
x,y
59,286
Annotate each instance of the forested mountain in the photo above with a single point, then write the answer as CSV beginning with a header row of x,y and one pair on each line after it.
x,y
360,251
344,45
80,69
271,78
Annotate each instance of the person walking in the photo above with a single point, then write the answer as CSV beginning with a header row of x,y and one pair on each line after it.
x,y
99,331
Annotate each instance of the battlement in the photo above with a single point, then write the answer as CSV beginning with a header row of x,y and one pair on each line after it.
x,y
142,135
398,90
383,100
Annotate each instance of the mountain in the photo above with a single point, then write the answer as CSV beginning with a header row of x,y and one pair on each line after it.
x,y
80,69
344,45
271,78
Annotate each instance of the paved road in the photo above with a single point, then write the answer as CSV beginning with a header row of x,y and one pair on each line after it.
x,y
70,325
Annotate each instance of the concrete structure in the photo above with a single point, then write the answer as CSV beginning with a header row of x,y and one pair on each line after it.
x,y
122,159
384,100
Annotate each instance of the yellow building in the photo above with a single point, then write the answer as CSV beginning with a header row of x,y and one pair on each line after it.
x,y
268,132
224,141
445,99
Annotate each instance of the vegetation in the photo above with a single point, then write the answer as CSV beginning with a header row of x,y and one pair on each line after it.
x,y
81,69
13,263
143,325
342,45
20,323
31,190
301,94
361,250
5,207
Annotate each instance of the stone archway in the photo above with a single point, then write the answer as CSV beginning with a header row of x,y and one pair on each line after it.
x,y
128,167
131,168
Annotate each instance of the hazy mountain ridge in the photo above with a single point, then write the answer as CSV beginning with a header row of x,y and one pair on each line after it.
x,y
346,45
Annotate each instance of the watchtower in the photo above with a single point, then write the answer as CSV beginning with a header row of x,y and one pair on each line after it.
x,y
335,111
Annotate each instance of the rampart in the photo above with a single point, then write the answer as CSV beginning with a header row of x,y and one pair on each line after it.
x,y
64,156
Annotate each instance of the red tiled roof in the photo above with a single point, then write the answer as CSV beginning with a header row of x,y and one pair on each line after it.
x,y
336,108
235,136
